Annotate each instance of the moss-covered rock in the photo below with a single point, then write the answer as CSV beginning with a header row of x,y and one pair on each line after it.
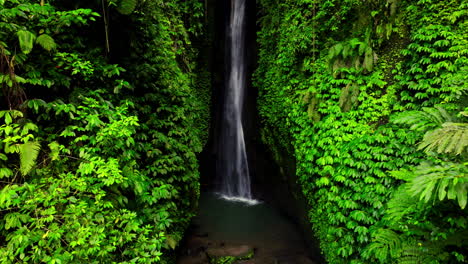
x,y
228,255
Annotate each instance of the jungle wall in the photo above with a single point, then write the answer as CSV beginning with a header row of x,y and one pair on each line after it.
x,y
105,106
356,100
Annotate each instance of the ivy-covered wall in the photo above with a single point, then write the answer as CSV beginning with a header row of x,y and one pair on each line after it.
x,y
104,108
348,89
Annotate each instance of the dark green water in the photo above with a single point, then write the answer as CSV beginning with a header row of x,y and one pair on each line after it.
x,y
244,223
223,223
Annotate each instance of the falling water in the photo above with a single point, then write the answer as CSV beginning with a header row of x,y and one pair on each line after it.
x,y
233,167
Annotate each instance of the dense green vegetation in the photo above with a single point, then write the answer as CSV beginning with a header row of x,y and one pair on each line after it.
x,y
370,97
104,106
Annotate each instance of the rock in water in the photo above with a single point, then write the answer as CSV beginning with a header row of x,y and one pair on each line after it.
x,y
229,254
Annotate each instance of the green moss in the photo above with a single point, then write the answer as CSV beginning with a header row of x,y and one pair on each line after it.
x,y
230,259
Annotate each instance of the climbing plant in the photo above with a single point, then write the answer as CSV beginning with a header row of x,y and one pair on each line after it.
x,y
100,127
331,76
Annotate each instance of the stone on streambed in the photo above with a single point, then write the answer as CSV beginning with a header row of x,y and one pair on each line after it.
x,y
229,254
260,260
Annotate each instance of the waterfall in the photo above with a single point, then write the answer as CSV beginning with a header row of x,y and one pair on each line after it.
x,y
233,168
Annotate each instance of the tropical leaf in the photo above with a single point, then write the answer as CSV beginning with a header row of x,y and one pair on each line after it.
x,y
362,48
46,41
26,40
462,194
126,7
442,134
412,254
402,204
385,246
428,118
449,180
450,138
171,242
28,155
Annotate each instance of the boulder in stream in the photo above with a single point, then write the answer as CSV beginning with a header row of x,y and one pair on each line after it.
x,y
229,254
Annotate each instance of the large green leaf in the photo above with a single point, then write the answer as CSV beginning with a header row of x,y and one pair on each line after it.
x,y
450,138
28,155
26,40
126,7
462,194
46,41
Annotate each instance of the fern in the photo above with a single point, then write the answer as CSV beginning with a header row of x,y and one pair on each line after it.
x,y
386,245
413,254
26,40
126,7
46,41
450,138
442,134
389,246
402,204
28,155
428,181
428,118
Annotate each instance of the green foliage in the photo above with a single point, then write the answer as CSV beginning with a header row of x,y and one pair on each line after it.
x,y
99,164
435,68
446,136
450,138
28,155
23,24
26,40
386,244
18,140
448,179
330,77
46,41
354,53
126,7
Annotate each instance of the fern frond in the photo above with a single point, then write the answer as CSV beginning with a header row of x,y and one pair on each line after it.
x,y
412,255
28,155
386,244
419,252
26,40
449,180
425,182
46,41
126,7
428,118
401,204
450,138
